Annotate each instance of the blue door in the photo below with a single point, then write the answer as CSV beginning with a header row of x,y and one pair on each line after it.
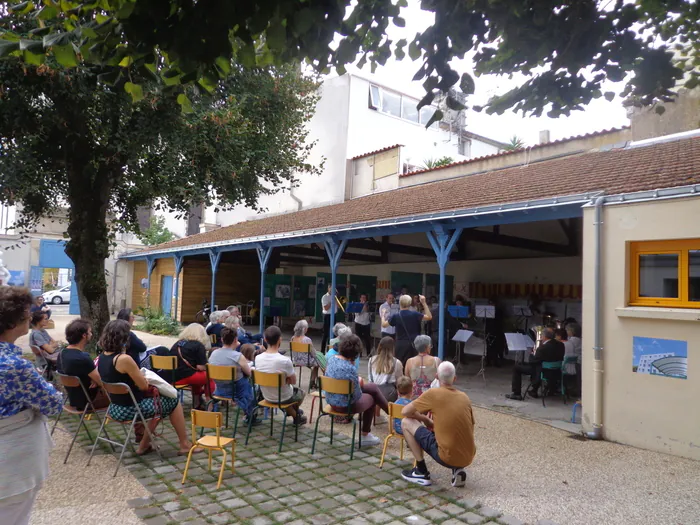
x,y
166,294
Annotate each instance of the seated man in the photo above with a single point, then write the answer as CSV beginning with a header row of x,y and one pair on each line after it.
x,y
451,442
75,361
40,306
272,362
550,350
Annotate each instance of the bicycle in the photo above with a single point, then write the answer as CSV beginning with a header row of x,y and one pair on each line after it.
x,y
202,317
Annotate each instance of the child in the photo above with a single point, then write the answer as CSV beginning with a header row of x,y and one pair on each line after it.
x,y
404,387
248,351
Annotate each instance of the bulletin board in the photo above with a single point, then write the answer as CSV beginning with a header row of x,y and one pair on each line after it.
x,y
278,294
303,296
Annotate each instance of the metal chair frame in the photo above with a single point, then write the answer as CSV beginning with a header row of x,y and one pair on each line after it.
x,y
550,365
335,386
266,379
203,419
303,348
224,373
169,362
122,388
394,413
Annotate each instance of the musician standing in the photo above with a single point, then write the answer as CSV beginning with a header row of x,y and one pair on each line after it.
x,y
363,328
385,313
327,302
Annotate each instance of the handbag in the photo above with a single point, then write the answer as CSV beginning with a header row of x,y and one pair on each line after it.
x,y
164,388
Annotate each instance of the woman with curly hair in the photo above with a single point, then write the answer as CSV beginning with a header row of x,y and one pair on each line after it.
x,y
115,366
25,402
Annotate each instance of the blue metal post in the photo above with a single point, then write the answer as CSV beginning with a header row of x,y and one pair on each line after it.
x,y
264,257
442,242
179,261
335,252
150,265
214,258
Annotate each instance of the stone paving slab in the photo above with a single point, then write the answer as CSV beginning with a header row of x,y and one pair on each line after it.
x,y
292,487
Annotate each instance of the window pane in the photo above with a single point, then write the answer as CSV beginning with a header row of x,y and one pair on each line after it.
x,y
658,275
408,108
694,275
391,103
426,113
373,97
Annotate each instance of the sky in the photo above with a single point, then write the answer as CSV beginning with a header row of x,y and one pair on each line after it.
x,y
598,115
645,346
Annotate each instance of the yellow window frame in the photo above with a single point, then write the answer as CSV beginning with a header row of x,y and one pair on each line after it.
x,y
678,247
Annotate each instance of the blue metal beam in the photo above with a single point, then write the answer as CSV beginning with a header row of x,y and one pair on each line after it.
x,y
179,261
442,242
150,266
214,258
264,257
335,250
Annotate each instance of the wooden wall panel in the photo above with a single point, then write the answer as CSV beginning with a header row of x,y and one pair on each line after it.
x,y
162,267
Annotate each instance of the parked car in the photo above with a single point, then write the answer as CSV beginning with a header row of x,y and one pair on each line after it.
x,y
60,296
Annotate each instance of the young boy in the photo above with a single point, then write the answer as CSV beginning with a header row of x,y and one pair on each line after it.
x,y
404,386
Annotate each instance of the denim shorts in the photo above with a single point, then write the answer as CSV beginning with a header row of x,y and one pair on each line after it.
x,y
426,440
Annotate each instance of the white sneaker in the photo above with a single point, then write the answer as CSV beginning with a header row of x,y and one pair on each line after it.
x,y
459,477
370,440
380,419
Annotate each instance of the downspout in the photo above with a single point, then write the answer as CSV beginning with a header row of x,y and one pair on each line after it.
x,y
597,432
294,197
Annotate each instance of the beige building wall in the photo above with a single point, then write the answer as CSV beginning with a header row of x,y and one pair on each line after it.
x,y
650,412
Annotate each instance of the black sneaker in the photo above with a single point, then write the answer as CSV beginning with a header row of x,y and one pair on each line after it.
x,y
300,419
514,397
459,477
416,476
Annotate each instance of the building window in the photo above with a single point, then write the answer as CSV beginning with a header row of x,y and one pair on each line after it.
x,y
400,106
665,273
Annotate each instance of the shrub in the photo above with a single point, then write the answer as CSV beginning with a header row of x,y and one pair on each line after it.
x,y
155,322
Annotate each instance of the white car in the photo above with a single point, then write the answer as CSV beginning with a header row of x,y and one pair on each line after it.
x,y
60,296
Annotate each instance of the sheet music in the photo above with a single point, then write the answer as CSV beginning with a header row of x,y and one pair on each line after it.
x,y
487,311
518,342
462,336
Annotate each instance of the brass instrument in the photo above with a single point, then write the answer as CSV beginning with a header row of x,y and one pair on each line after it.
x,y
337,300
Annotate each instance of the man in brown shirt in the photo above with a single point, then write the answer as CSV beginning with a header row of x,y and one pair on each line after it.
x,y
448,437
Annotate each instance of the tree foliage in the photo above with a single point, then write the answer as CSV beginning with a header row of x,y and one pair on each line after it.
x,y
514,143
157,232
565,49
69,138
431,163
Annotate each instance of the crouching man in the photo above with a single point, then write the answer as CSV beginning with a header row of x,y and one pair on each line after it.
x,y
448,437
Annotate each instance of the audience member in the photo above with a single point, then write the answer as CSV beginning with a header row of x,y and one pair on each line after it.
x,y
384,369
423,368
404,387
191,352
216,324
137,348
364,397
550,350
385,313
40,338
116,367
573,330
25,402
234,322
341,332
41,306
408,326
272,362
241,391
75,361
249,352
451,441
363,326
312,360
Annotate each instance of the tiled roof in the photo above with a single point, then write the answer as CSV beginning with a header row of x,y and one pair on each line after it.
x,y
376,151
511,152
663,165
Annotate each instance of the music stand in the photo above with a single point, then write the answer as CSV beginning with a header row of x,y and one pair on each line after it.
x,y
462,336
484,312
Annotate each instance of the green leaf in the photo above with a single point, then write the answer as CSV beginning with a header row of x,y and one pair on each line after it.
x,y
57,39
185,103
466,84
126,61
609,96
414,51
7,47
454,104
399,22
33,46
135,91
65,55
246,55
276,35
48,12
437,116
34,59
23,8
224,64
402,3
40,31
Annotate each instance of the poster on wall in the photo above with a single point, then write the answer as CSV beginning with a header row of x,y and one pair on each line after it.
x,y
660,357
312,291
283,291
299,309
17,278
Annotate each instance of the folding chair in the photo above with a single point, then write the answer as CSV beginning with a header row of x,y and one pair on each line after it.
x,y
123,389
67,381
39,361
48,366
548,375
224,373
273,381
204,419
169,362
306,350
343,387
394,413
568,360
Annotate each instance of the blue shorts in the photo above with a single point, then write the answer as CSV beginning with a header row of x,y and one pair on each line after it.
x,y
426,440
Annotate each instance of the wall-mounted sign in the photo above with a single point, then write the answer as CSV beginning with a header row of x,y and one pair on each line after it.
x,y
660,357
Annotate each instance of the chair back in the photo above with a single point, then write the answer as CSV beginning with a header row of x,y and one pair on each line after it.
x,y
68,381
394,413
163,362
212,338
343,387
116,388
222,372
570,359
302,348
269,379
36,351
205,419
551,365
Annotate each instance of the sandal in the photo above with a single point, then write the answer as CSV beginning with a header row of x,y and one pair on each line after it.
x,y
147,451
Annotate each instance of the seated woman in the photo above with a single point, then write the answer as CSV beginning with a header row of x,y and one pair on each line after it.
x,y
422,369
136,346
116,367
384,369
40,338
241,391
313,360
364,397
191,352
341,333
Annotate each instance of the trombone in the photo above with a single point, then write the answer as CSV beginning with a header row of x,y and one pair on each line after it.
x,y
340,305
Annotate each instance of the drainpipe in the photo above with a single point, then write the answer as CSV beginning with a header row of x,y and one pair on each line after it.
x,y
294,197
597,432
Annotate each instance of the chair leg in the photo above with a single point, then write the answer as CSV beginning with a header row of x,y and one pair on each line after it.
x,y
296,431
75,436
272,421
128,437
313,443
352,441
209,450
235,423
311,414
187,465
386,444
402,444
228,407
55,423
332,422
223,466
233,454
250,427
284,425
99,434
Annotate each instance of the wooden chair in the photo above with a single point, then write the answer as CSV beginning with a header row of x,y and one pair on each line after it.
x,y
169,362
229,374
265,379
343,387
66,381
307,350
210,443
394,414
123,389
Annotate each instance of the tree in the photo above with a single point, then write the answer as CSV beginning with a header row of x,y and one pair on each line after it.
x,y
69,138
429,164
515,143
157,232
566,50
